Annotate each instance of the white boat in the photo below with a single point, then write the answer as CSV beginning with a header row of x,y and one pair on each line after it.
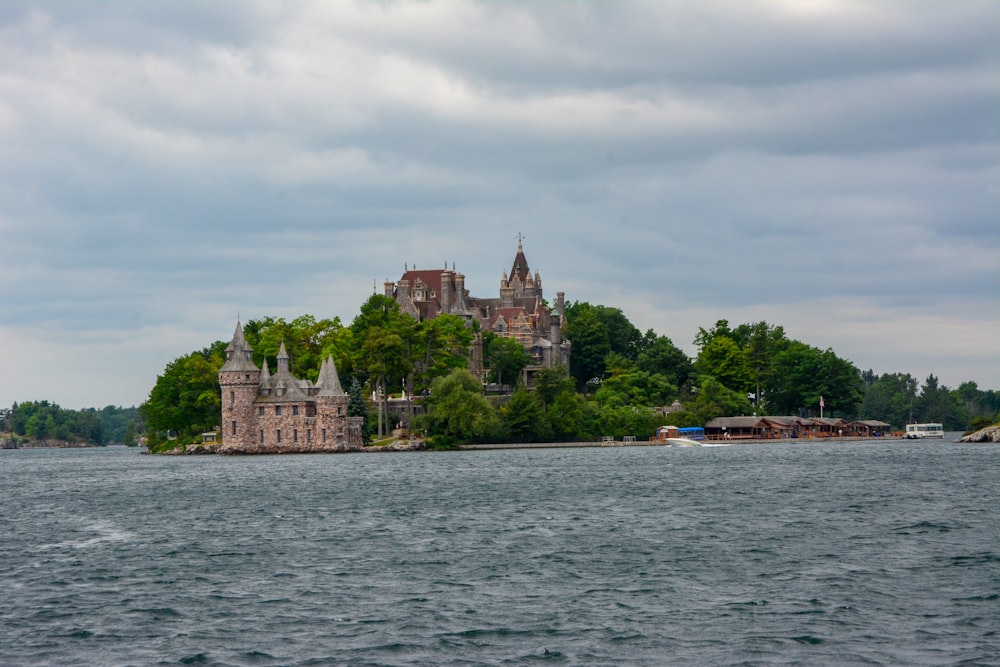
x,y
682,442
921,431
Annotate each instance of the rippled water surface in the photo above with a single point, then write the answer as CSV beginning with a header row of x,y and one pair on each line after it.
x,y
815,554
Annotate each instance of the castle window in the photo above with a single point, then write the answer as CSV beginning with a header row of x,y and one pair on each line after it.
x,y
309,435
234,428
324,435
260,410
232,397
277,411
295,409
279,435
295,435
262,436
246,377
340,411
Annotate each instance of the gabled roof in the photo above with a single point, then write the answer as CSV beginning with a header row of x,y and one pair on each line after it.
x,y
870,422
734,422
508,315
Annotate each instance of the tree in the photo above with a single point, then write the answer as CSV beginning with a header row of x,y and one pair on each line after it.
x,y
803,374
185,400
703,337
458,412
357,406
523,418
890,398
441,345
937,403
661,357
550,383
570,417
760,342
723,359
385,355
595,332
505,357
713,399
632,386
591,345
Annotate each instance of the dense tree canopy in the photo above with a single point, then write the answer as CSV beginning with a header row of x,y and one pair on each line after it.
x,y
617,380
457,411
42,420
185,400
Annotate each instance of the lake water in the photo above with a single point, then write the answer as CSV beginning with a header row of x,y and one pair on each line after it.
x,y
833,553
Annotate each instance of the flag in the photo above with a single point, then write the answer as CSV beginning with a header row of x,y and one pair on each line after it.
x,y
821,403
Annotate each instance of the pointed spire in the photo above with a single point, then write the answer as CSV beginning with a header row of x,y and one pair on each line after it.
x,y
282,359
329,381
239,354
265,373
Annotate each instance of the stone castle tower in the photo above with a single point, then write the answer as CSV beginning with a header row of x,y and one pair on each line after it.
x,y
264,413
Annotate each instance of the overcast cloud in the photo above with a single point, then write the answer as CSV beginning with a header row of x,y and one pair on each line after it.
x,y
827,165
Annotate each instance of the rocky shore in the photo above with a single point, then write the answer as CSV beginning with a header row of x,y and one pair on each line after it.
x,y
217,448
988,434
10,443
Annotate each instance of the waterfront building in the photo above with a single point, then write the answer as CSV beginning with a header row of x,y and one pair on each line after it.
x,y
279,413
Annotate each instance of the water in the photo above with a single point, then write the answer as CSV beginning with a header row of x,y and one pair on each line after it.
x,y
830,553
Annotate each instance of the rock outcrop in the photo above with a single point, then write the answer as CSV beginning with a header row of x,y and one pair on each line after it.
x,y
988,434
399,446
292,448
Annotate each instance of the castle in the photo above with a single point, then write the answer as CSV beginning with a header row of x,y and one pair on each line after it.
x,y
280,413
264,413
518,312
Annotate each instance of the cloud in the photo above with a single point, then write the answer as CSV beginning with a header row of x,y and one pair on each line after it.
x,y
831,166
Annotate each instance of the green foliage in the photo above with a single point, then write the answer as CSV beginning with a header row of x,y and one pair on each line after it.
x,y
550,383
457,411
591,344
802,374
890,398
357,406
440,346
621,420
628,385
185,400
523,418
505,358
713,399
978,423
307,340
661,357
626,374
571,418
723,359
937,403
43,420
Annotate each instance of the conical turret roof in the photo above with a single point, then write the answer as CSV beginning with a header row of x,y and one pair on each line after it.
x,y
239,354
329,381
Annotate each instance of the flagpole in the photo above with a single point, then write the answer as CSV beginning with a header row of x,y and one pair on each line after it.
x,y
821,406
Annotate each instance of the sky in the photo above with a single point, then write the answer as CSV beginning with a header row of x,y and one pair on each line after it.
x,y
830,166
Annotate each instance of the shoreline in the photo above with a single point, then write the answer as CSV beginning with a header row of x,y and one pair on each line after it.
x,y
709,443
